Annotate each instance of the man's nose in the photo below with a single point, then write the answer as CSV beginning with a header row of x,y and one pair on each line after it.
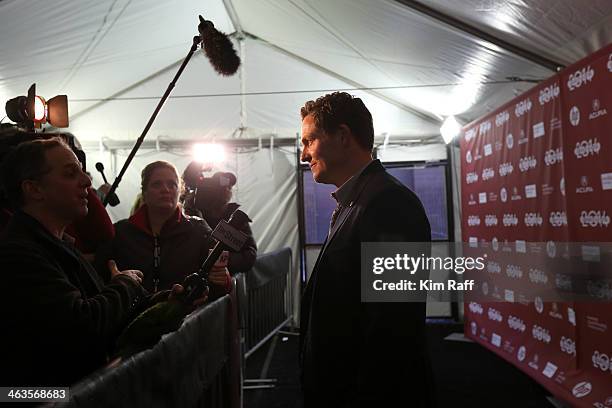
x,y
85,180
305,157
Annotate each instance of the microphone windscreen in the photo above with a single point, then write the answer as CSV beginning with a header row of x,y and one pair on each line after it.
x,y
99,167
218,48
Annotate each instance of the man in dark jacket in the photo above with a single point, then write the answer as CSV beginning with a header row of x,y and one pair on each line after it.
x,y
59,319
355,353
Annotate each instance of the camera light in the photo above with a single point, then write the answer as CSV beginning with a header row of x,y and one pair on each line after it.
x,y
40,109
208,153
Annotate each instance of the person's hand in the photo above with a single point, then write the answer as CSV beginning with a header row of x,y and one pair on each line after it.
x,y
178,289
104,188
134,274
219,275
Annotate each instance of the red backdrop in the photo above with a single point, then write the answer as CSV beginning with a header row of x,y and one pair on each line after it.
x,y
539,170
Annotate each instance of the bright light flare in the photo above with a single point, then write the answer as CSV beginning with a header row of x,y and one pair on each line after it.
x,y
208,153
40,109
450,129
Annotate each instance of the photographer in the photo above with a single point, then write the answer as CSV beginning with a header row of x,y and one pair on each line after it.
x,y
212,200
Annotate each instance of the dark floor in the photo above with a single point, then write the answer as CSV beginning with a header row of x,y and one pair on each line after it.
x,y
466,375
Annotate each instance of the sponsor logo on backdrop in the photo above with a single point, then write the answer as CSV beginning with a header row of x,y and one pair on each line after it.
x,y
582,389
468,156
471,177
548,94
491,220
533,219
474,328
482,198
594,219
538,130
610,70
494,315
493,267
599,289
473,242
551,249
534,363
522,107
553,156
509,295
554,312
488,150
473,221
562,185
515,194
510,141
470,134
496,339
606,181
514,272
476,308
555,123
516,324
538,276
498,146
495,243
527,163
521,246
539,305
557,219
580,77
531,191
485,288
541,334
503,194
584,186
501,118
586,148
510,220
574,116
571,316
492,197
601,361
568,346
547,189
505,169
523,138
594,323
549,370
471,201
597,111
563,282
487,174
484,127
521,354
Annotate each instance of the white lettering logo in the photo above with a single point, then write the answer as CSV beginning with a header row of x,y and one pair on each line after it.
x,y
470,134
494,315
468,156
538,130
510,220
597,112
490,220
516,324
557,219
473,221
563,282
548,94
488,150
538,276
471,178
514,272
501,118
594,219
606,181
610,69
580,77
493,267
587,148
574,116
527,163
584,186
531,191
505,169
484,127
562,185
539,305
522,107
553,156
487,174
510,141
533,219
476,308
582,389
482,198
522,353
503,194
541,334
601,361
568,345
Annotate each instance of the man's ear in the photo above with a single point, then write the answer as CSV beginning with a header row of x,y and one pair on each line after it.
x,y
345,135
32,190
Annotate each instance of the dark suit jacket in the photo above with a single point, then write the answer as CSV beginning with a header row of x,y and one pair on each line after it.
x,y
364,354
58,318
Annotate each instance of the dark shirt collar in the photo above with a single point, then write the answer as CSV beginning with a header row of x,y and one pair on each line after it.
x,y
344,193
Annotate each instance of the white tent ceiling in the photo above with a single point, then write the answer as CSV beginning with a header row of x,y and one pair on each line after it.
x,y
417,69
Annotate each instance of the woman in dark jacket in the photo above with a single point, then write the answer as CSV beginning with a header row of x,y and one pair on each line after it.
x,y
160,239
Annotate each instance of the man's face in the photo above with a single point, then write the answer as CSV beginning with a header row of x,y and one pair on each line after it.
x,y
63,189
322,151
162,192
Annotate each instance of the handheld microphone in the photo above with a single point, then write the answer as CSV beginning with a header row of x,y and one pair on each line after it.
x,y
113,200
218,48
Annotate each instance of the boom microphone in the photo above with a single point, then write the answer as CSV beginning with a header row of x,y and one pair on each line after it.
x,y
218,48
113,200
